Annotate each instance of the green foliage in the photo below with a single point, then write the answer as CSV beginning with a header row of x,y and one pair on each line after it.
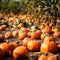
x,y
35,8
51,7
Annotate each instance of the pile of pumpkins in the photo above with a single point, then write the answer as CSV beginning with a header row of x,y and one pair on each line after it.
x,y
31,41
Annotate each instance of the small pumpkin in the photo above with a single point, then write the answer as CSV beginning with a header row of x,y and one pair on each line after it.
x,y
33,45
47,29
49,38
22,35
43,35
20,52
4,27
24,29
15,33
56,34
36,34
25,41
42,26
8,34
20,25
56,29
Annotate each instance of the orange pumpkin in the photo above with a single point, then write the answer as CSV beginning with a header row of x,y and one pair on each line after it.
x,y
33,45
47,29
20,52
11,47
45,56
42,26
56,29
16,43
4,47
56,34
25,41
4,27
49,38
20,25
24,29
43,35
36,34
49,47
15,33
8,34
22,35
54,57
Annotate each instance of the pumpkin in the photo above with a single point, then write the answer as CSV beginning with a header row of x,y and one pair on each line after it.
x,y
44,56
8,34
20,25
36,34
4,27
16,43
49,38
47,29
11,47
22,35
1,37
25,41
33,45
56,34
54,57
1,53
43,35
56,29
49,47
24,29
15,33
42,26
4,47
20,52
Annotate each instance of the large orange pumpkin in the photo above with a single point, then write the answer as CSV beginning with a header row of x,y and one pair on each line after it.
x,y
33,45
20,52
49,47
